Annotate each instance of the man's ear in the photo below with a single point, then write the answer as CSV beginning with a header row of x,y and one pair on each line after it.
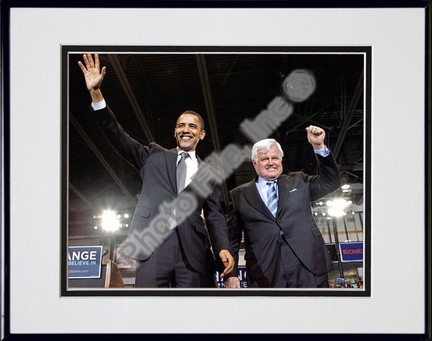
x,y
202,134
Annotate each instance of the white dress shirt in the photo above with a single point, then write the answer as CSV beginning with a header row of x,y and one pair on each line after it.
x,y
191,164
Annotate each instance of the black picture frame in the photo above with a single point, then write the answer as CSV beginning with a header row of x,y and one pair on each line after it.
x,y
20,327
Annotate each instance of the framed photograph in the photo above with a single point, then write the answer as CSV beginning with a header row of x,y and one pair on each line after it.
x,y
225,84
360,73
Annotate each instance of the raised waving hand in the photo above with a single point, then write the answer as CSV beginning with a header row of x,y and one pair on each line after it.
x,y
93,75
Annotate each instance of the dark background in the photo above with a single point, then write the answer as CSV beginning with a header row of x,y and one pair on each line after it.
x,y
147,90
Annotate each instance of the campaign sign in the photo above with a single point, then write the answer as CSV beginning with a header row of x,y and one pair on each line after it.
x,y
241,275
84,261
351,252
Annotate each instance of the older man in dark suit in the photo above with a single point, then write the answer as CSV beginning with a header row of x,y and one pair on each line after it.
x,y
169,238
284,247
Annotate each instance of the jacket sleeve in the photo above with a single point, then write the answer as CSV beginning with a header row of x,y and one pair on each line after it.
x,y
215,215
234,233
126,146
328,179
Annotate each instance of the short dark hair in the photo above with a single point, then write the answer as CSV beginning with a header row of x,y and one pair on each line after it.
x,y
191,112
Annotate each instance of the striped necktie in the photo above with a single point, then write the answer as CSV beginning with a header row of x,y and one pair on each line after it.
x,y
272,197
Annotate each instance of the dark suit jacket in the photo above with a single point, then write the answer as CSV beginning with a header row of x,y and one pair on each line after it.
x,y
157,167
294,217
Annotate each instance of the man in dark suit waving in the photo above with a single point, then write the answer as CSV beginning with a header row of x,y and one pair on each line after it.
x,y
284,247
169,238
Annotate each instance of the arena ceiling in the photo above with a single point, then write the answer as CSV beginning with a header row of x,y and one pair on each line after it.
x,y
148,89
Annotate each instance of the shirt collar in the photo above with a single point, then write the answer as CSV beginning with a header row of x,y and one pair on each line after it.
x,y
192,154
263,182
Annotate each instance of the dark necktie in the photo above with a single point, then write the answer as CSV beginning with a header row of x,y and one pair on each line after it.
x,y
272,197
181,171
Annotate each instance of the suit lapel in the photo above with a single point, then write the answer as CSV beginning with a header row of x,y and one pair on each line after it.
x,y
254,199
201,167
284,187
171,164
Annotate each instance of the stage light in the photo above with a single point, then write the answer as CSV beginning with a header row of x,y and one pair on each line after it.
x,y
110,221
338,207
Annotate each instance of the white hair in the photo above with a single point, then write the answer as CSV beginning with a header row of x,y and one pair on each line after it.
x,y
265,145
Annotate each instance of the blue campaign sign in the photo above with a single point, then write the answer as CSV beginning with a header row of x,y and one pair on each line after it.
x,y
84,261
242,277
351,251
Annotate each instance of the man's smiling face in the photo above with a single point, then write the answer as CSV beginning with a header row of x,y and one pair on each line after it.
x,y
188,132
269,163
